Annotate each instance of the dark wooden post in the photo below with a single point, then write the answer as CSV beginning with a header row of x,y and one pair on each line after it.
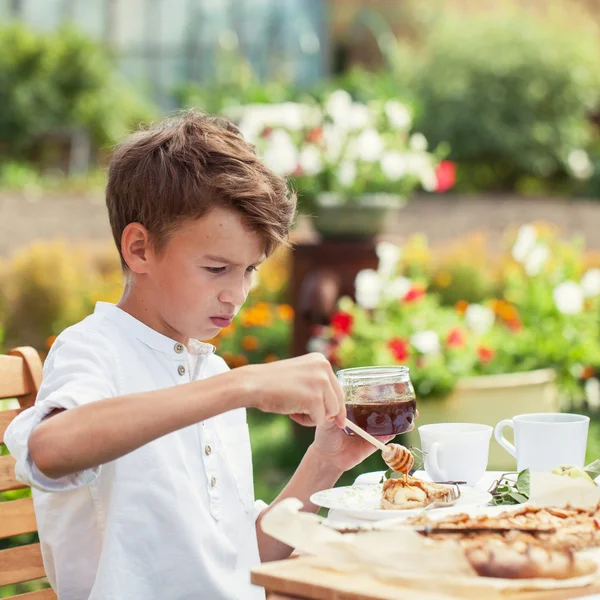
x,y
323,272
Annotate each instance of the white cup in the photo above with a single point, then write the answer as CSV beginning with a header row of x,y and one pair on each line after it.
x,y
543,441
455,451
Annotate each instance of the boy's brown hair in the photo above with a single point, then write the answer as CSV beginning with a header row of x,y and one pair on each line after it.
x,y
187,165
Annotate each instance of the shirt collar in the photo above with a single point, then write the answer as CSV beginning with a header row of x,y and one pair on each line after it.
x,y
149,336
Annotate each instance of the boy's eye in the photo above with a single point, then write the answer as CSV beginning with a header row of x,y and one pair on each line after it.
x,y
215,269
251,269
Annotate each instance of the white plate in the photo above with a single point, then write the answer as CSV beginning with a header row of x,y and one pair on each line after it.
x,y
363,502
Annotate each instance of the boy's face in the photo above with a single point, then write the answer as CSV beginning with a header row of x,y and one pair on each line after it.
x,y
203,275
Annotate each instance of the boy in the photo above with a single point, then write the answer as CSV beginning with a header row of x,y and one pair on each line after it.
x,y
138,448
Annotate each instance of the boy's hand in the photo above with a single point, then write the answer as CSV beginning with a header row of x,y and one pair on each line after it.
x,y
305,388
342,451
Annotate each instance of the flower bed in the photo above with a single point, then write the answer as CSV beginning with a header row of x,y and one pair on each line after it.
x,y
545,315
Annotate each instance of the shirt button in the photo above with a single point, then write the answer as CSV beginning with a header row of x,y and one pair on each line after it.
x,y
181,370
213,481
179,348
207,450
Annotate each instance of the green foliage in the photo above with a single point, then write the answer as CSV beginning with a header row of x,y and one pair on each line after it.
x,y
510,94
49,286
58,81
510,491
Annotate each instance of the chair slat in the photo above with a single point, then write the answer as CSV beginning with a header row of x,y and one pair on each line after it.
x,y
14,380
6,416
21,564
17,517
7,475
47,594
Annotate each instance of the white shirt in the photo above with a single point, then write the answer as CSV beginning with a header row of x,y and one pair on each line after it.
x,y
173,520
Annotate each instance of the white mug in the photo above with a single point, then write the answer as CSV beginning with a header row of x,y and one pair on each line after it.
x,y
543,441
455,451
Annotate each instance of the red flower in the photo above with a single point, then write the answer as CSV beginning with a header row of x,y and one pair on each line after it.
x,y
342,322
399,348
485,354
514,324
415,293
456,338
297,171
446,176
315,135
266,132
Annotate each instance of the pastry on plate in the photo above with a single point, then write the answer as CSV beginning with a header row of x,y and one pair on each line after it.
x,y
409,492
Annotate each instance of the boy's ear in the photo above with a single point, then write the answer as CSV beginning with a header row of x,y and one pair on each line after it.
x,y
135,247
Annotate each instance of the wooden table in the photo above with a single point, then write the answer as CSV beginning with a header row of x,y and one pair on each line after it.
x,y
302,579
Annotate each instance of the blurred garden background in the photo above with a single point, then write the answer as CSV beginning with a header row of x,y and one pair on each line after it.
x,y
447,150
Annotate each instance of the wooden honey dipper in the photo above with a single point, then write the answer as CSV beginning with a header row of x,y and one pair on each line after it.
x,y
396,457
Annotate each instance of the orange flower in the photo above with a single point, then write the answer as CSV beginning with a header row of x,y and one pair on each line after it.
x,y
228,331
239,361
250,342
269,358
257,316
49,341
461,307
228,357
587,372
285,312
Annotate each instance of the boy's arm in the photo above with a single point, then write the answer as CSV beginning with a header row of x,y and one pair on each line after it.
x,y
99,432
95,433
312,475
331,454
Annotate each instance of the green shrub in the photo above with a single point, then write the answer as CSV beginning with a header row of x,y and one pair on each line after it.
x,y
58,81
510,94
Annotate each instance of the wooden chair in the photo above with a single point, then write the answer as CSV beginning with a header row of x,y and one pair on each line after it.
x,y
20,377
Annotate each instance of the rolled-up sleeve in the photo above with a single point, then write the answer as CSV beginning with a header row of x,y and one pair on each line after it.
x,y
81,368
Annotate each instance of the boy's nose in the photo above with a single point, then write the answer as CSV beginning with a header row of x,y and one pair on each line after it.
x,y
235,295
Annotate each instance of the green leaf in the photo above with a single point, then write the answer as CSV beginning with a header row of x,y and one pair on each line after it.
x,y
524,483
519,498
593,469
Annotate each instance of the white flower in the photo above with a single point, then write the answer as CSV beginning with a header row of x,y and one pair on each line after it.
x,y
369,145
367,287
398,115
526,237
281,155
536,259
310,159
339,106
418,142
568,297
334,138
360,116
338,102
346,173
317,344
479,318
592,392
419,164
429,179
426,342
393,165
580,164
590,283
388,255
397,288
